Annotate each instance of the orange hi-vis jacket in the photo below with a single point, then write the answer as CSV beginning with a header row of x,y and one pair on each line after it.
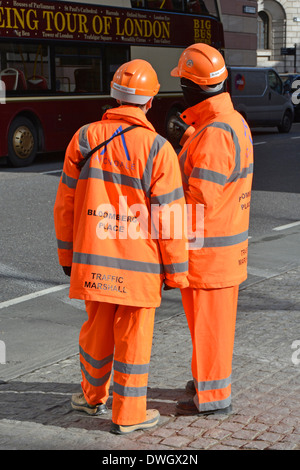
x,y
217,168
114,218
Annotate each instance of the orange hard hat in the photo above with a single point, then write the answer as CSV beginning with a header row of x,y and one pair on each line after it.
x,y
135,82
202,64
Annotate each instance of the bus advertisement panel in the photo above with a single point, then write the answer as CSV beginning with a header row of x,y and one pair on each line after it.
x,y
62,21
57,60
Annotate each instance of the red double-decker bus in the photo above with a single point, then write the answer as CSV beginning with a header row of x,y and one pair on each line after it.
x,y
57,60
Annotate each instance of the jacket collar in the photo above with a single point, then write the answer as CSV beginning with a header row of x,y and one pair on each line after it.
x,y
208,110
130,114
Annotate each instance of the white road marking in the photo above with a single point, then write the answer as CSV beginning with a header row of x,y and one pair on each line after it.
x,y
284,227
33,295
51,171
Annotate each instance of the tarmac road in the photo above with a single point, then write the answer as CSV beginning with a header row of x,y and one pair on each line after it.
x,y
39,327
41,370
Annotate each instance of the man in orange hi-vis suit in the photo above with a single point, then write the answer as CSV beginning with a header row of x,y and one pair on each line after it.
x,y
217,167
120,243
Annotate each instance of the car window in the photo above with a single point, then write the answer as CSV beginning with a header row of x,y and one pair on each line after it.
x,y
274,82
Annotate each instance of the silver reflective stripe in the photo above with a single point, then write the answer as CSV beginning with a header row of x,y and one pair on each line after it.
x,y
236,173
115,178
176,267
95,382
64,245
131,368
169,197
118,178
84,145
237,167
130,391
212,384
68,180
247,171
129,265
209,175
211,242
156,146
182,161
212,405
218,178
97,364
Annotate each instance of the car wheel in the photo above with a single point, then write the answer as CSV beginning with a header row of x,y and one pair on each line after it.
x,y
286,122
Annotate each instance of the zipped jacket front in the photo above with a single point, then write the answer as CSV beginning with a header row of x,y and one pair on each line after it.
x,y
217,167
113,218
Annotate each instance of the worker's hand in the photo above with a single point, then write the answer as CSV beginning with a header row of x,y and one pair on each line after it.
x,y
67,270
166,287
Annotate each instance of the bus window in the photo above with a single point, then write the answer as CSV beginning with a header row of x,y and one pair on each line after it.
x,y
202,7
78,69
166,5
199,7
196,6
114,57
24,67
54,61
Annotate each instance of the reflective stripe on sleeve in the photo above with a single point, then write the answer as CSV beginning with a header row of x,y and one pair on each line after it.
x,y
84,145
156,146
64,245
68,180
209,175
182,161
237,167
247,171
169,197
176,268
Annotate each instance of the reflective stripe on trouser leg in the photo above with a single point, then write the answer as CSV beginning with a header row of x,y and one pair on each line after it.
x,y
133,334
96,346
211,316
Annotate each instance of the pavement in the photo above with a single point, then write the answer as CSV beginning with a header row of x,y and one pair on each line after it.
x,y
35,412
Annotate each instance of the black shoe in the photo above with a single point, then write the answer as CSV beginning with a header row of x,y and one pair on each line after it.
x,y
79,403
190,387
189,408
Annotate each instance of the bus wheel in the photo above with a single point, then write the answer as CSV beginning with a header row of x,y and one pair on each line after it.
x,y
174,133
22,142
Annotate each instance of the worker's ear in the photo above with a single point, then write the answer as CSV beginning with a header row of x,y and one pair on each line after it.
x,y
149,104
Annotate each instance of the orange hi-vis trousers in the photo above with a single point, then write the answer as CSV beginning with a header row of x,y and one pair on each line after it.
x,y
117,336
211,317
